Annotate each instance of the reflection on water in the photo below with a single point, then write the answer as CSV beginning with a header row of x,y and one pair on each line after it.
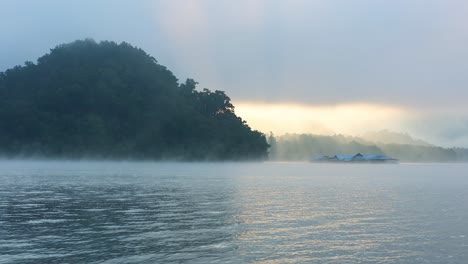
x,y
102,212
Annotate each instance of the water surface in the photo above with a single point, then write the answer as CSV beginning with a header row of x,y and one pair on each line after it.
x,y
124,212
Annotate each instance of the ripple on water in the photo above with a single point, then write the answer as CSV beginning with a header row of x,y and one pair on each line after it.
x,y
45,221
249,213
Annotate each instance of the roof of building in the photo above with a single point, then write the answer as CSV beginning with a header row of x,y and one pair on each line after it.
x,y
357,157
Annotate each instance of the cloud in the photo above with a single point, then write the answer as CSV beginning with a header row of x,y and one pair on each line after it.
x,y
351,119
323,52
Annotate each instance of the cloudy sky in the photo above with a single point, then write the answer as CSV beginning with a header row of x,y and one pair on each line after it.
x,y
316,66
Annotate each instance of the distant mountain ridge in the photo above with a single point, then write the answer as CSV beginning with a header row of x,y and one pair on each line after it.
x,y
390,137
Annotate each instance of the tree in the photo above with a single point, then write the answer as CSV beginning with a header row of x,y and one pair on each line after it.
x,y
114,100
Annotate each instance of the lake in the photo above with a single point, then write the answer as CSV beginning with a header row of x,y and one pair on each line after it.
x,y
149,212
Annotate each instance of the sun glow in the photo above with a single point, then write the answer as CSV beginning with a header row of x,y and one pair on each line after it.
x,y
348,119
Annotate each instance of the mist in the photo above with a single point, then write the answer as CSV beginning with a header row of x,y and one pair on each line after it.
x,y
345,69
213,131
408,56
307,147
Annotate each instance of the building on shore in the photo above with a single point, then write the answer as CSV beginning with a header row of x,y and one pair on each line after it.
x,y
358,158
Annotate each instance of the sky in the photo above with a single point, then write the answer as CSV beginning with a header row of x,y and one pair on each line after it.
x,y
295,66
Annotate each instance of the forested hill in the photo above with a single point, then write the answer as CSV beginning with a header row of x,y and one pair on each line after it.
x,y
109,100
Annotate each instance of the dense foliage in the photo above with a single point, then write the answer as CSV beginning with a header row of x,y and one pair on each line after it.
x,y
88,99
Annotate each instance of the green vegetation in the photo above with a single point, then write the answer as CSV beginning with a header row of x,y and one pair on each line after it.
x,y
109,100
302,147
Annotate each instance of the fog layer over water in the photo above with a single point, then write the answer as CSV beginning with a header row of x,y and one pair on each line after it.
x,y
70,212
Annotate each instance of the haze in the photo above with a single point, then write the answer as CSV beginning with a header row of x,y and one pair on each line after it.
x,y
289,66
